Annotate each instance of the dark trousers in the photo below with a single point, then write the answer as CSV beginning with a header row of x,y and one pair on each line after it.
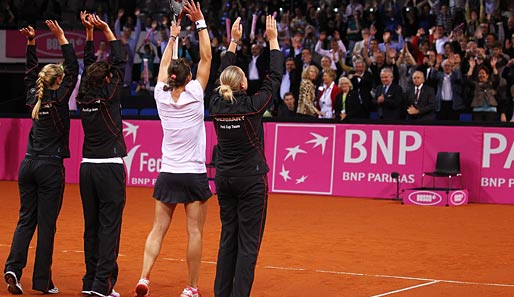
x,y
41,185
447,113
102,189
243,204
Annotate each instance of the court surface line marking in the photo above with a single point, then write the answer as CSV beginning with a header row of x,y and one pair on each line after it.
x,y
405,289
367,275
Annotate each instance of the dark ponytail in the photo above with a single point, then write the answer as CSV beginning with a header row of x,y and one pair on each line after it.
x,y
178,71
95,75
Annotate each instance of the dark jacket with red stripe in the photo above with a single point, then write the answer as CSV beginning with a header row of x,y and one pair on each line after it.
x,y
100,108
49,135
239,125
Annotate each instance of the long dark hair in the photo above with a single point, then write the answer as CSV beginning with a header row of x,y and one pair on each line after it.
x,y
96,74
178,71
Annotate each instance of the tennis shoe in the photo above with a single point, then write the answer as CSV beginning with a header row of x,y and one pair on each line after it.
x,y
190,292
13,285
142,288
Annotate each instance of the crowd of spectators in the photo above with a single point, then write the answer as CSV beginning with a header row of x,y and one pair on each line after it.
x,y
380,59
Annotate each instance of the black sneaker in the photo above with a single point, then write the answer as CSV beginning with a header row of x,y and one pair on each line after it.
x,y
13,286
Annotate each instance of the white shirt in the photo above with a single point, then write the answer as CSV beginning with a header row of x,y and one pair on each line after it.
x,y
184,141
446,91
285,86
334,56
253,73
325,101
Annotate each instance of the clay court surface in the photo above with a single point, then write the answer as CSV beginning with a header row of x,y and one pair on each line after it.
x,y
313,246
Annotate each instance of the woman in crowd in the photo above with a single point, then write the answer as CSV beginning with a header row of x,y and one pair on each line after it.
x,y
41,174
307,93
102,173
348,105
241,169
484,102
327,95
183,175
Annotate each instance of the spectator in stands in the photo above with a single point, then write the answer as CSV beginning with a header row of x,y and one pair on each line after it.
x,y
130,38
362,83
406,66
484,103
507,107
304,60
102,54
337,49
147,54
287,109
255,68
348,104
389,43
430,68
307,94
449,97
389,97
327,95
421,102
41,174
290,80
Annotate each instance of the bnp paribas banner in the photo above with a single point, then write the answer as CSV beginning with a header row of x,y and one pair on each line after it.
x,y
324,159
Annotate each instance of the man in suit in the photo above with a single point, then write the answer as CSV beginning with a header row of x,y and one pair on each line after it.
x,y
420,99
362,82
429,69
389,97
449,99
256,69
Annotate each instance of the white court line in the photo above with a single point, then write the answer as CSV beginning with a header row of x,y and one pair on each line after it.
x,y
405,289
430,280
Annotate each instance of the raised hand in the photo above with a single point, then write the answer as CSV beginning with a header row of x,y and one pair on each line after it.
x,y
271,28
237,29
85,18
54,28
175,29
193,11
98,23
29,32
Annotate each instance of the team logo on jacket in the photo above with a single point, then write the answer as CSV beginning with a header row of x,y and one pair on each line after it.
x,y
304,163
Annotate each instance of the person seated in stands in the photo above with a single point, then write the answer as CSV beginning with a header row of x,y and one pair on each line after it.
x,y
420,99
287,109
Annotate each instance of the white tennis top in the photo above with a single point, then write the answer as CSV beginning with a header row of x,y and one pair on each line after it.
x,y
183,143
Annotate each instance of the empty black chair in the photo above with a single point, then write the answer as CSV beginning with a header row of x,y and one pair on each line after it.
x,y
447,165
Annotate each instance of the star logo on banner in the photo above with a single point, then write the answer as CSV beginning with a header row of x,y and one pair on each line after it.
x,y
318,140
293,151
301,179
130,129
285,173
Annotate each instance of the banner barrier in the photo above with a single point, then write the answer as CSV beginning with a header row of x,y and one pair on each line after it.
x,y
347,160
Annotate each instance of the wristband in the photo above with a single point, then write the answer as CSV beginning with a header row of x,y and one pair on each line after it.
x,y
234,40
200,29
200,25
174,37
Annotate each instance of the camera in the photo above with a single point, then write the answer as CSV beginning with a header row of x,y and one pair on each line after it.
x,y
371,9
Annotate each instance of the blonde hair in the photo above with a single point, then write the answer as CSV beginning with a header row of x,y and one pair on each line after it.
x,y
305,72
230,81
345,80
46,78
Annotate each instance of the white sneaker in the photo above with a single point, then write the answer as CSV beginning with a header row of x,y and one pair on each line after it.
x,y
53,290
114,294
13,285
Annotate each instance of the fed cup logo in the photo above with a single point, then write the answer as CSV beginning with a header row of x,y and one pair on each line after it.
x,y
304,163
